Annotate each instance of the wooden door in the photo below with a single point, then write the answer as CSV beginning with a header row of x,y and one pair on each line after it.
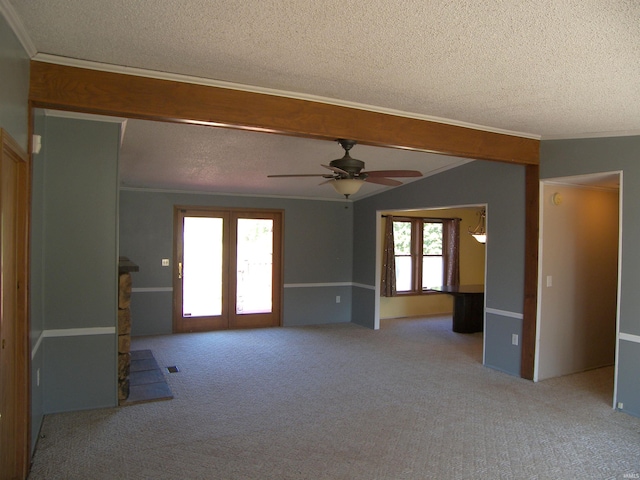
x,y
255,276
14,359
228,268
200,274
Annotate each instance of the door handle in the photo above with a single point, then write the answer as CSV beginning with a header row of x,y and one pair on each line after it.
x,y
179,269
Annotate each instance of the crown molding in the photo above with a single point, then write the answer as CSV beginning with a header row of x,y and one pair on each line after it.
x,y
72,62
622,133
127,188
15,23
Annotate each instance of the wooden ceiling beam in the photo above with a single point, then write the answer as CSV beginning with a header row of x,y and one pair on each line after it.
x,y
93,91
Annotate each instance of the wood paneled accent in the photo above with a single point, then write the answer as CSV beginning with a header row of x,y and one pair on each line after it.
x,y
14,328
93,91
530,308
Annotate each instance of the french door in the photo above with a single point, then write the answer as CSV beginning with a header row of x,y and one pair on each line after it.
x,y
227,269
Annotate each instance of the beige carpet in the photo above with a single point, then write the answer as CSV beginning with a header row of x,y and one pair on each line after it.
x,y
411,401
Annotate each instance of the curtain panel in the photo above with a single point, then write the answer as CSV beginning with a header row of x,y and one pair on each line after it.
x,y
388,284
451,251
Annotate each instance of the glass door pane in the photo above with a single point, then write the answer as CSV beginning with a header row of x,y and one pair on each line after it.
x,y
254,263
202,267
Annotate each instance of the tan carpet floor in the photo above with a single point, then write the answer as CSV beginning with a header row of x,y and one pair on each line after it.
x,y
410,401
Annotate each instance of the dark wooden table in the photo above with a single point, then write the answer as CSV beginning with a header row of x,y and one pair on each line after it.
x,y
468,306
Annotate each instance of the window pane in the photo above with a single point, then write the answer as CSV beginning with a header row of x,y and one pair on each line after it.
x,y
402,238
255,265
432,239
432,272
403,274
202,267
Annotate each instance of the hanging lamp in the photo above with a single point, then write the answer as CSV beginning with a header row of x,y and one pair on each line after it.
x,y
480,231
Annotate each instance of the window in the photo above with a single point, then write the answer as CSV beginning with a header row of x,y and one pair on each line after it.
x,y
432,258
420,254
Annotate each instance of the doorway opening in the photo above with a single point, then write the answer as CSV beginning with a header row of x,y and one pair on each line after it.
x,y
472,265
228,268
579,269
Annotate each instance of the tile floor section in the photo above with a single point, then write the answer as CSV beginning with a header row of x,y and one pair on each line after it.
x,y
146,380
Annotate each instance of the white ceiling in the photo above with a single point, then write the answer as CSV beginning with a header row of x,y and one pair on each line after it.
x,y
541,68
244,159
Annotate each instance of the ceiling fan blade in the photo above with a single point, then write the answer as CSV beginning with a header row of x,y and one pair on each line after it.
x,y
394,173
383,181
336,170
327,181
299,175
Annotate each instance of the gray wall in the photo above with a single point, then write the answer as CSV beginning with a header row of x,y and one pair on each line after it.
x,y
14,85
318,239
501,187
74,275
36,293
561,158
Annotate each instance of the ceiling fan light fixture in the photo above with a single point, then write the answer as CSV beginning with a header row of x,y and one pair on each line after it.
x,y
347,175
347,186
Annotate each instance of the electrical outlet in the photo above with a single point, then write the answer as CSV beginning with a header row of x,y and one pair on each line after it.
x,y
514,339
337,298
620,405
165,262
549,281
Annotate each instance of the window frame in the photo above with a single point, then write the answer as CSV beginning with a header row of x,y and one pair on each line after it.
x,y
416,254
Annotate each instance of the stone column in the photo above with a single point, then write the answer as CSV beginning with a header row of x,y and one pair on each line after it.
x,y
124,326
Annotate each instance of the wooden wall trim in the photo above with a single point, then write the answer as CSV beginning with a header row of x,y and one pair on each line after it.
x,y
93,91
15,195
11,148
530,308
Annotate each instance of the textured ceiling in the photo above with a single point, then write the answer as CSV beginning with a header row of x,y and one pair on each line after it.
x,y
244,159
555,69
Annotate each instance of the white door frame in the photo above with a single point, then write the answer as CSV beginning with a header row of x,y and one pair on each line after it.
x,y
595,179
